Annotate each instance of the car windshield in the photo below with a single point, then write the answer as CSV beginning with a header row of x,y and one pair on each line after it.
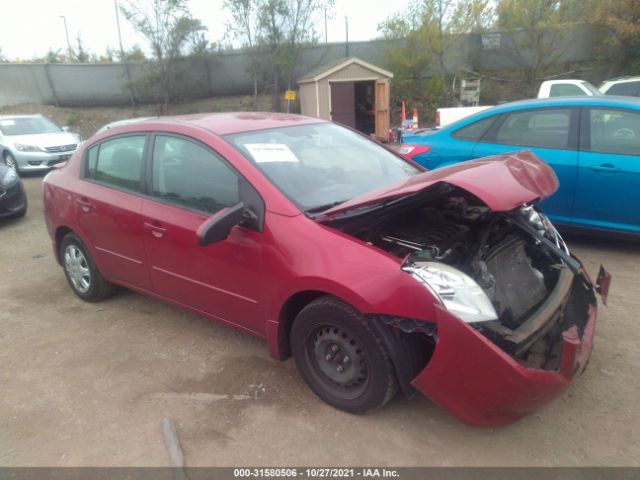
x,y
321,165
27,126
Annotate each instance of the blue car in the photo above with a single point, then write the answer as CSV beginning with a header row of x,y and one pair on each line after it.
x,y
592,143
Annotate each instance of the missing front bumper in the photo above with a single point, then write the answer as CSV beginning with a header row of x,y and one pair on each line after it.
x,y
483,385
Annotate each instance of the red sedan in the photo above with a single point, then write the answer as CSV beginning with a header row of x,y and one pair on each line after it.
x,y
373,273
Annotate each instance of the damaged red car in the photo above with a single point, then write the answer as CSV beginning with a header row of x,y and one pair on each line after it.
x,y
376,275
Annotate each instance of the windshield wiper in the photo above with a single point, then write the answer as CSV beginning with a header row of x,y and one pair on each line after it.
x,y
322,208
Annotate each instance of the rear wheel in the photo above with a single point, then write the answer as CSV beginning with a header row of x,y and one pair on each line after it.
x,y
82,274
341,358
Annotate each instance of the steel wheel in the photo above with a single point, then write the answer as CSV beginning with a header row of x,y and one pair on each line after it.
x,y
339,361
341,357
77,268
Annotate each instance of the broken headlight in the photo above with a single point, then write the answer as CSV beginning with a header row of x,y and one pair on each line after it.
x,y
458,292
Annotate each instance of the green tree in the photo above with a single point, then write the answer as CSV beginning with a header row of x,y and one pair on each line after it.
x,y
168,27
619,31
133,54
422,37
200,45
80,53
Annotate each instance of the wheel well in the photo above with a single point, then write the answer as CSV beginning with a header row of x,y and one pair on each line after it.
x,y
290,310
60,233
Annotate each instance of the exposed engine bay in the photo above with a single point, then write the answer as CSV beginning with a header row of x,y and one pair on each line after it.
x,y
533,289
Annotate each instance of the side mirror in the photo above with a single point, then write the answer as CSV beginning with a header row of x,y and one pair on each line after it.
x,y
65,129
218,227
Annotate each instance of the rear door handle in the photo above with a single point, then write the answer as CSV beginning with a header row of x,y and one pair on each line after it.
x,y
85,205
156,230
605,167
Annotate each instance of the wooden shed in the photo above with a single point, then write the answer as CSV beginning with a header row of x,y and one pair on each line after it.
x,y
348,91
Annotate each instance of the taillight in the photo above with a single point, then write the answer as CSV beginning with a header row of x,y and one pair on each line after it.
x,y
413,150
437,118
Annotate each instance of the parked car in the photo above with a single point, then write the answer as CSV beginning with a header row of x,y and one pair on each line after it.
x,y
13,200
31,143
372,272
567,88
592,143
626,86
548,89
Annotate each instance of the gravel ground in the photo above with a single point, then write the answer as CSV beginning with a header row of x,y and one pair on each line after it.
x,y
88,384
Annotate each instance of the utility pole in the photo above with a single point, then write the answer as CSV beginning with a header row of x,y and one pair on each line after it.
x,y
66,32
325,26
346,27
122,57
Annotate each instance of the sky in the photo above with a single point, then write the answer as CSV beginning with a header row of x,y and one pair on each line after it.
x,y
31,27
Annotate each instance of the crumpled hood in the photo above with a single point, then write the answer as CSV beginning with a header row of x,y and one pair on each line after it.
x,y
55,139
502,182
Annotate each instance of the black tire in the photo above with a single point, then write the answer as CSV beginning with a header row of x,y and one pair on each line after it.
x,y
328,327
10,162
96,288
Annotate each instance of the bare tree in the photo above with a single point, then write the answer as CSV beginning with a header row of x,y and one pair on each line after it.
x,y
168,26
244,27
536,33
273,32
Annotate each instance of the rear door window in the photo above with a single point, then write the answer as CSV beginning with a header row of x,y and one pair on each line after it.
x,y
190,175
543,128
118,162
614,131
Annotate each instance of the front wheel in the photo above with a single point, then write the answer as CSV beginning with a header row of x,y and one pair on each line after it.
x,y
10,162
82,274
341,357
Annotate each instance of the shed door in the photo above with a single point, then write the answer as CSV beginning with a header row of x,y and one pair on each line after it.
x,y
382,109
343,103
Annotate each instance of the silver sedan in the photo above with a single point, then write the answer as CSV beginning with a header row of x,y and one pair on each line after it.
x,y
34,143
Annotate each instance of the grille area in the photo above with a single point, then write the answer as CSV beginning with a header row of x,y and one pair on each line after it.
x,y
61,148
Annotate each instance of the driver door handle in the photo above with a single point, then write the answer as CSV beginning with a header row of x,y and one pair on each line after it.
x,y
605,167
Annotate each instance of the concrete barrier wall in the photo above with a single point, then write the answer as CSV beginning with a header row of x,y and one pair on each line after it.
x,y
226,73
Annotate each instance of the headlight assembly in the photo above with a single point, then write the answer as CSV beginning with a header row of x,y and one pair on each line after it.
x,y
10,178
458,292
27,148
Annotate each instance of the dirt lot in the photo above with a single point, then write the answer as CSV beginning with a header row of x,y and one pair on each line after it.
x,y
87,120
88,384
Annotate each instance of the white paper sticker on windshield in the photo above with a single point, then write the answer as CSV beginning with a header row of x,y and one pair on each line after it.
x,y
271,152
7,123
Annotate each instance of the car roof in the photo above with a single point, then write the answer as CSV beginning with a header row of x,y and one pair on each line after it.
x,y
565,80
228,123
623,79
4,117
578,101
611,101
